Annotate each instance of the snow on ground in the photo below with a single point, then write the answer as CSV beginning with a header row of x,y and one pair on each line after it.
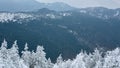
x,y
5,17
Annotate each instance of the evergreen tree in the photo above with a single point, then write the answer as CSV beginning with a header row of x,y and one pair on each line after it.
x,y
27,56
40,56
59,59
49,63
14,55
112,59
4,54
78,62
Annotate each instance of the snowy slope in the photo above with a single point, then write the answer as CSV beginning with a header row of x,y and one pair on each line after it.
x,y
6,16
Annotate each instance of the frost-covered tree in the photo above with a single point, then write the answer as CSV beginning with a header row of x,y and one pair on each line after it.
x,y
98,59
94,59
35,59
4,50
14,54
49,63
9,57
78,62
59,59
112,59
4,54
59,62
40,56
27,56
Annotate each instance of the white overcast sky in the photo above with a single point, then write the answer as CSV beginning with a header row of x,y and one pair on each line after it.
x,y
88,3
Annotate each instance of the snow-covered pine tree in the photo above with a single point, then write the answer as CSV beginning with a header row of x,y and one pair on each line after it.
x,y
4,54
78,62
14,55
112,59
49,63
40,56
35,59
59,59
98,59
59,63
3,50
27,57
94,59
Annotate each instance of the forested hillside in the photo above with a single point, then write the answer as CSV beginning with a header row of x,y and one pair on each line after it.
x,y
64,32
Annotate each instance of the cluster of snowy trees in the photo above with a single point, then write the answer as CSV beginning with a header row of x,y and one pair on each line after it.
x,y
9,58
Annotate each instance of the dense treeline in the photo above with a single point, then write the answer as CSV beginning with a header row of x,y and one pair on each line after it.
x,y
9,58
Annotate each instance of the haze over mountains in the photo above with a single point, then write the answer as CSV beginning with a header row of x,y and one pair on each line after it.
x,y
31,5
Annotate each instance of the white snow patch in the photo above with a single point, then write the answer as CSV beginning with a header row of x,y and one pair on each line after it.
x,y
117,13
52,16
65,14
83,11
61,26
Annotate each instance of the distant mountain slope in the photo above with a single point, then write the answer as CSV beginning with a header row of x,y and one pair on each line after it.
x,y
30,5
101,12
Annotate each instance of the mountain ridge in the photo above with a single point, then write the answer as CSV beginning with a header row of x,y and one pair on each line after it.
x,y
31,5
